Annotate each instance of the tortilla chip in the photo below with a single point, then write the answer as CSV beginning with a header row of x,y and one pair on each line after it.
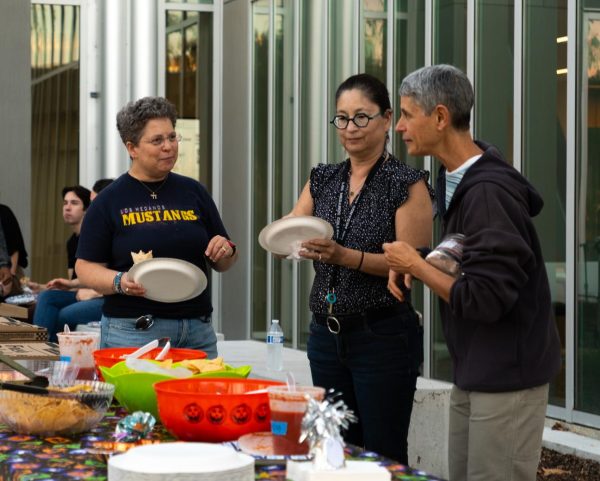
x,y
204,365
141,256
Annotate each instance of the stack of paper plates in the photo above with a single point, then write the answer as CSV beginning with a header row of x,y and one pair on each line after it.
x,y
181,461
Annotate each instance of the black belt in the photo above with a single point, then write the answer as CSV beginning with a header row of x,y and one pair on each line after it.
x,y
336,323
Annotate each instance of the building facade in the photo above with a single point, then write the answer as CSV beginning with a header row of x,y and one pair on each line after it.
x,y
254,83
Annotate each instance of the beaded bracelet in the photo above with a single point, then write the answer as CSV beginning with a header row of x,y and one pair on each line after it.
x,y
117,283
362,258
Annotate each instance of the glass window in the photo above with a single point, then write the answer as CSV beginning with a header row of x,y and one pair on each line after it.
x,y
54,130
375,38
450,33
544,144
260,165
450,46
409,55
197,2
189,85
494,59
587,329
342,46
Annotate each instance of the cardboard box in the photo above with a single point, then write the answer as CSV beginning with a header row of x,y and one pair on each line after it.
x,y
12,330
31,350
11,310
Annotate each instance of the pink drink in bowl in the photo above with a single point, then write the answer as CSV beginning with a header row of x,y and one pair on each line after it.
x,y
78,347
287,410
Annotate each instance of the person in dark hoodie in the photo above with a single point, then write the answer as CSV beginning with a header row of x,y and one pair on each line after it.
x,y
496,313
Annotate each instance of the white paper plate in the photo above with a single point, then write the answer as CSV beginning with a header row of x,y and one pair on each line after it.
x,y
169,280
176,458
280,236
21,299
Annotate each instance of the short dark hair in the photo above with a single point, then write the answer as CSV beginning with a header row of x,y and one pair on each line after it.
x,y
79,191
133,117
371,87
101,184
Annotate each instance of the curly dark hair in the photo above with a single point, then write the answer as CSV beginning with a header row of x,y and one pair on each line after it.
x,y
132,119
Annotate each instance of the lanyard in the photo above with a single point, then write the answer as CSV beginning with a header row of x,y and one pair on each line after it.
x,y
344,186
340,235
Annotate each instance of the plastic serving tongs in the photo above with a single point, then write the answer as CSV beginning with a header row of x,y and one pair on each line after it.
x,y
34,379
152,345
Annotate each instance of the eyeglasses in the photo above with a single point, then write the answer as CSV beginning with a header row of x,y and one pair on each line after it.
x,y
159,140
360,120
144,322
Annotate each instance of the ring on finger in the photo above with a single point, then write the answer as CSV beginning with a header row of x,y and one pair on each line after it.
x,y
223,248
320,257
127,289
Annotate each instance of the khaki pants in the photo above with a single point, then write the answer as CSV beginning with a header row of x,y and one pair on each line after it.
x,y
496,436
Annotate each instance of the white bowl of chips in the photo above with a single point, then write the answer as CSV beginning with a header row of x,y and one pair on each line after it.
x,y
134,389
67,409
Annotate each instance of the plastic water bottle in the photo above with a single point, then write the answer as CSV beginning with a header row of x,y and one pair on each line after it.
x,y
275,347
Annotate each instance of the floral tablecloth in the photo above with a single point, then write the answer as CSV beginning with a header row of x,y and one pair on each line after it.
x,y
29,458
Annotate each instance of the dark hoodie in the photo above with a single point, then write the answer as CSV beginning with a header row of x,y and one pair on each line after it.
x,y
498,324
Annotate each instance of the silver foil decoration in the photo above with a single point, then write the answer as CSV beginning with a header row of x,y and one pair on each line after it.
x,y
321,426
134,427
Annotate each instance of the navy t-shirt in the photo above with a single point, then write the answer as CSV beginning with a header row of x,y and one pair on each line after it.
x,y
179,224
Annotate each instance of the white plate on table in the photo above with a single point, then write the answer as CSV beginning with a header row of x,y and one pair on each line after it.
x,y
206,461
281,236
169,280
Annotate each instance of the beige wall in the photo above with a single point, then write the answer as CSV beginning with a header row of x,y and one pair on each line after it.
x,y
15,109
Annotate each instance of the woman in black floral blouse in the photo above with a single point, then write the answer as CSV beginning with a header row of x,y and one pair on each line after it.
x,y
363,342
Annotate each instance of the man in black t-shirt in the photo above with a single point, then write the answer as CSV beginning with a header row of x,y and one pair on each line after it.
x,y
64,301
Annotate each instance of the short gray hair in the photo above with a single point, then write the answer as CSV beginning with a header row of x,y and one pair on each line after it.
x,y
441,84
132,119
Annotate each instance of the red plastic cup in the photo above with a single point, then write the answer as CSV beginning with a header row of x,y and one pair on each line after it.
x,y
287,410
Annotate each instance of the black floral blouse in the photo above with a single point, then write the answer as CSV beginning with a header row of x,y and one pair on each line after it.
x,y
372,224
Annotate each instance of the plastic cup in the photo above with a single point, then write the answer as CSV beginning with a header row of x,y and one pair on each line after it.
x,y
78,348
287,410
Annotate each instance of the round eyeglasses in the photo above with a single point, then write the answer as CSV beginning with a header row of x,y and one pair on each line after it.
x,y
159,140
360,120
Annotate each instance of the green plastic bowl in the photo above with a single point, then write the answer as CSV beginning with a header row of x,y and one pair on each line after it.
x,y
134,390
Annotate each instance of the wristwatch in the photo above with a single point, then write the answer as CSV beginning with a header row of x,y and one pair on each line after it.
x,y
233,247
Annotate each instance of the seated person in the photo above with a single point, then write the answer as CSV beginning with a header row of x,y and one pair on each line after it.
x,y
64,301
5,276
15,249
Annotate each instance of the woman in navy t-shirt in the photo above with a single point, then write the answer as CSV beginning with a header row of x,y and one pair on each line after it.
x,y
150,208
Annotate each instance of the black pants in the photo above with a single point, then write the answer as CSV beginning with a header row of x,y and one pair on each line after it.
x,y
374,365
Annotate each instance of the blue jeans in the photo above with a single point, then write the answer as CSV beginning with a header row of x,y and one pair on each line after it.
x,y
55,308
195,333
375,368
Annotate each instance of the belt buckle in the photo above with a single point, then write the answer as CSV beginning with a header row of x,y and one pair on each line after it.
x,y
337,327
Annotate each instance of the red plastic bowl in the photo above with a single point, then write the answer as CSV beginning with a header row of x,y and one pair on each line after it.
x,y
213,410
108,357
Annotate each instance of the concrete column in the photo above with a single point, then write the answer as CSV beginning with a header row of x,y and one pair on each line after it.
x,y
116,81
144,46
